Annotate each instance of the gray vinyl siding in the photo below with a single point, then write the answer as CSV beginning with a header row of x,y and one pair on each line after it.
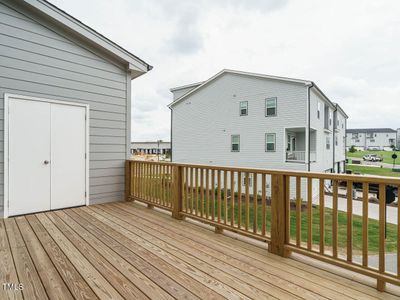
x,y
203,123
39,59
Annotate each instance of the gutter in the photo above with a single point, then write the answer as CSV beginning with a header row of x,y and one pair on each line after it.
x,y
170,135
309,87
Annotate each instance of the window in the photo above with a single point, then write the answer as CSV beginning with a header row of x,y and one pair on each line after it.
x,y
270,107
235,143
336,139
357,141
372,140
391,141
330,118
354,135
370,135
328,143
270,142
243,108
319,110
250,180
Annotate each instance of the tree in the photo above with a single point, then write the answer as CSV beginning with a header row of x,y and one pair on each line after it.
x,y
352,149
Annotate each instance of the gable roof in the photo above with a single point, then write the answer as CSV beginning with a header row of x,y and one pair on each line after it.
x,y
224,71
136,65
371,130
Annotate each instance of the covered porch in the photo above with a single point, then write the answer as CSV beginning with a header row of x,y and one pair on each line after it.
x,y
296,141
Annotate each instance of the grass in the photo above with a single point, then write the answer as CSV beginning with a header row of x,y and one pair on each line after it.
x,y
373,171
386,155
373,226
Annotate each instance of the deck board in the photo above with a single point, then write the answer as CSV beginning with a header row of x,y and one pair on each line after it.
x,y
125,251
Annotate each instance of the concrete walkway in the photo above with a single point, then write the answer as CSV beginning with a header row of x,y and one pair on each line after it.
x,y
373,209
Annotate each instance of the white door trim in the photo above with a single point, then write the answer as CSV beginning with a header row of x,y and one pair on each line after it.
x,y
7,98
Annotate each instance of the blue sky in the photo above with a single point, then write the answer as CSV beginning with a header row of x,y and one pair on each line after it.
x,y
349,48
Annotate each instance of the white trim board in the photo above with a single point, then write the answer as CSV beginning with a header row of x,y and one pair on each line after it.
x,y
7,98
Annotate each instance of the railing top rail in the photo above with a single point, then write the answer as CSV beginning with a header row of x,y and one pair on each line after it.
x,y
314,175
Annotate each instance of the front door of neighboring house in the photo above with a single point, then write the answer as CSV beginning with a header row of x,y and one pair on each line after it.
x,y
46,155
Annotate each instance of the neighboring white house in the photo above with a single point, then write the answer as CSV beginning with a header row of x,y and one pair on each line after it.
x,y
398,138
156,147
65,97
253,120
371,138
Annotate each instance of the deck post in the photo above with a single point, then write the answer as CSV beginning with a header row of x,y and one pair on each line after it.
x,y
278,215
128,180
177,186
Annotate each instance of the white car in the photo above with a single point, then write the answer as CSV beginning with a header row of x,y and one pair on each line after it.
x,y
372,157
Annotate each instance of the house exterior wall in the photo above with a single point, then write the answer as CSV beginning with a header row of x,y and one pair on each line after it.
x,y
379,140
41,60
398,138
179,93
203,123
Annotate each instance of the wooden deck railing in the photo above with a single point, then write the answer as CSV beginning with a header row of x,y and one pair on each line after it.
x,y
286,209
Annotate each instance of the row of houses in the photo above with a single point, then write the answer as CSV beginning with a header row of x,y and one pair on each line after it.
x,y
373,138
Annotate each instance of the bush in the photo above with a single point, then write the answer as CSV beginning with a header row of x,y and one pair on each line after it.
x,y
352,149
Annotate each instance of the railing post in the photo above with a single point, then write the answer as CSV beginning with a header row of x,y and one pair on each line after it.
x,y
177,185
128,179
278,215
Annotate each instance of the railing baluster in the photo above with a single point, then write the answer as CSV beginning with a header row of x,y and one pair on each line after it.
x,y
196,199
321,216
232,189
287,207
213,194
225,196
186,189
382,221
191,190
350,221
264,204
365,225
239,180
202,192
255,200
219,195
335,220
298,211
207,193
247,202
398,231
309,214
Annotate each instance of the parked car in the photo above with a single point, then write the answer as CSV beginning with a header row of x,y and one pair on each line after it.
x,y
372,157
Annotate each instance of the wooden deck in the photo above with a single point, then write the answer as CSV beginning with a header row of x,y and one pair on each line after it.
x,y
124,250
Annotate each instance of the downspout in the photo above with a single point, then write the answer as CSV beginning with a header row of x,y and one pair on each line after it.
x,y
333,138
345,145
170,135
309,125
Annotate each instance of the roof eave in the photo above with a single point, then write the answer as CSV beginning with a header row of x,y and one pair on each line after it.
x,y
134,63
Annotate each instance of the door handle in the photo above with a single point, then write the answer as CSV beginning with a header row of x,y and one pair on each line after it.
x,y
46,162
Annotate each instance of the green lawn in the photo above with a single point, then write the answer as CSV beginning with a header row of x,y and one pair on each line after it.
x,y
373,226
373,171
387,155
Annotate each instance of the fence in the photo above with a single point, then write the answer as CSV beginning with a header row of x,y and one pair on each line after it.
x,y
269,205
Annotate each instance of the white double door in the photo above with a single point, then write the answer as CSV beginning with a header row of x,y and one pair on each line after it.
x,y
46,156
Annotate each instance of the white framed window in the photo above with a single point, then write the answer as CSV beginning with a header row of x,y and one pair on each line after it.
x,y
243,108
270,107
235,143
336,139
270,141
328,142
319,110
354,135
330,118
249,181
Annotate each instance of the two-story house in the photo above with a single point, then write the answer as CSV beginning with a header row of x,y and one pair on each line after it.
x,y
371,138
254,120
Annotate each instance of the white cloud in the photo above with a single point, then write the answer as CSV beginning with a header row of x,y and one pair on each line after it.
x,y
349,48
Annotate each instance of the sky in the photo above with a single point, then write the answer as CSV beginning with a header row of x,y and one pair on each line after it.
x,y
350,49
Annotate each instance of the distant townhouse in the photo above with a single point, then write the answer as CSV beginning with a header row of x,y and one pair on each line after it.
x,y
371,138
154,147
398,138
254,120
